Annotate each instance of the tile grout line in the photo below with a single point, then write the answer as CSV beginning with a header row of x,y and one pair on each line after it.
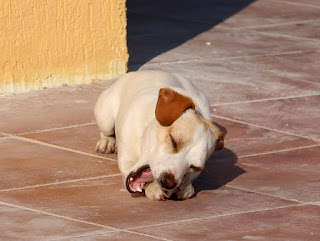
x,y
282,35
268,25
266,99
306,81
146,235
54,129
58,183
107,232
83,235
221,215
174,62
3,133
5,137
58,216
316,203
278,151
21,138
269,152
258,126
113,229
295,3
229,58
266,194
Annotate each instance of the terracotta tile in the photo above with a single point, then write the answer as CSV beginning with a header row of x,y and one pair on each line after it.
x,y
300,116
250,78
234,43
248,140
115,236
158,40
82,138
303,30
20,224
152,38
259,12
49,108
290,70
291,174
105,201
292,223
24,164
308,3
241,140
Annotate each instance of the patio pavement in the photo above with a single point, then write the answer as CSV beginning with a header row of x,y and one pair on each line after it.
x,y
259,64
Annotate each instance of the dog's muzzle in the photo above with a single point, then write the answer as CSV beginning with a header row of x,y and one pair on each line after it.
x,y
167,180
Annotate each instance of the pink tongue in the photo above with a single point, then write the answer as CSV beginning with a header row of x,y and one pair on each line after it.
x,y
144,178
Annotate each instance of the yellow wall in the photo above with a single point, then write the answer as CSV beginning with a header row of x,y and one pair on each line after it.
x,y
47,43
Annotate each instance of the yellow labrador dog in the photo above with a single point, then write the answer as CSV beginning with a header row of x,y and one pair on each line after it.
x,y
163,129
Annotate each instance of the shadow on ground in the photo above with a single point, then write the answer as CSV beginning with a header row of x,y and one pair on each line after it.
x,y
220,169
155,27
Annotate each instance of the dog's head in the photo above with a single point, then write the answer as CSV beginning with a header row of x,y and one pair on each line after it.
x,y
178,142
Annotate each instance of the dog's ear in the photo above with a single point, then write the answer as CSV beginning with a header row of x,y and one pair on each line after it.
x,y
220,141
171,105
217,135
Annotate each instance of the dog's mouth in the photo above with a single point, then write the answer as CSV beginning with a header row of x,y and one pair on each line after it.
x,y
136,181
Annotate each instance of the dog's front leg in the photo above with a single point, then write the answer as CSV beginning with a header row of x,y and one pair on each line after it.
x,y
185,190
154,192
107,144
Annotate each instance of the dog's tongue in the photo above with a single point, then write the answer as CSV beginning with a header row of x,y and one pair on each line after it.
x,y
136,181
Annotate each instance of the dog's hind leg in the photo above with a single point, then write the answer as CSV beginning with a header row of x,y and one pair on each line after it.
x,y
104,113
107,142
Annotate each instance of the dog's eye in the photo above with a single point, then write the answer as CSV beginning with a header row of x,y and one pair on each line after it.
x,y
195,169
174,143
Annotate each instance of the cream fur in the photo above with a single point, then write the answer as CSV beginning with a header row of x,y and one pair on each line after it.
x,y
127,109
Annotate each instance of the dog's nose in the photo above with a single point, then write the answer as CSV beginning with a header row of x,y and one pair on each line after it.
x,y
167,180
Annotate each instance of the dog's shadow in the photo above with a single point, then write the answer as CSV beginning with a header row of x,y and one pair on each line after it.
x,y
156,27
219,170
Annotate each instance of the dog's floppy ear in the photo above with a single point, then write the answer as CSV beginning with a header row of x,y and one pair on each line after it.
x,y
171,105
220,141
217,135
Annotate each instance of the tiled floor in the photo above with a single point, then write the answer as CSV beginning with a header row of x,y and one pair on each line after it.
x,y
257,61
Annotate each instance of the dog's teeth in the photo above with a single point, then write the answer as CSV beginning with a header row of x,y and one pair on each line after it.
x,y
139,189
131,179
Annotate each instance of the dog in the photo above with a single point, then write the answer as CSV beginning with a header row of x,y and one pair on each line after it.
x,y
160,125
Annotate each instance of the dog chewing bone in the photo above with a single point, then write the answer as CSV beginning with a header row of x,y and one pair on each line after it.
x,y
164,132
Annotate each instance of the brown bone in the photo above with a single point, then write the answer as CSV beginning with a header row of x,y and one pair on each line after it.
x,y
171,105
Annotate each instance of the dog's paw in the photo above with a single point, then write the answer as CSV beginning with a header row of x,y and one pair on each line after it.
x,y
154,192
107,145
185,191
